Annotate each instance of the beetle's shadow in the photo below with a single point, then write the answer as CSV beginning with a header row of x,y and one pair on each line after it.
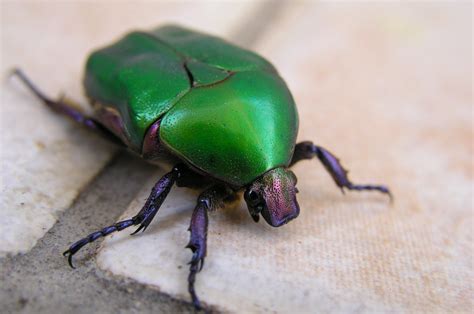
x,y
178,209
235,214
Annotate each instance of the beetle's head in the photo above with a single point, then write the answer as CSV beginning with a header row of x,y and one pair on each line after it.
x,y
274,196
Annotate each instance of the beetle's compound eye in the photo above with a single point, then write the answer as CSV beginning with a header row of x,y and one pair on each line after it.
x,y
252,198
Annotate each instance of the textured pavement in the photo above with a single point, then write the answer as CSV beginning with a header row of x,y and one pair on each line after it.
x,y
40,281
387,87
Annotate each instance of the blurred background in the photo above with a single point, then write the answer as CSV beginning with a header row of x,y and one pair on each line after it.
x,y
386,86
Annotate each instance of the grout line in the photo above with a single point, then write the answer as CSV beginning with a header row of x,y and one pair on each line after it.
x,y
40,281
258,23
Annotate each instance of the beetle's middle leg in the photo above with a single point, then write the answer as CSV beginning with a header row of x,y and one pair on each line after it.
x,y
143,218
307,150
209,200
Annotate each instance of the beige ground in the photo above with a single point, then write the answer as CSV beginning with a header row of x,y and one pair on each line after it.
x,y
388,88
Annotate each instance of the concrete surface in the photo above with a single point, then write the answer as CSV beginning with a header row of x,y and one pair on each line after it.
x,y
387,87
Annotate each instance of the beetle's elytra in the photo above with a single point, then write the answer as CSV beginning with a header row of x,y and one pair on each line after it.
x,y
219,115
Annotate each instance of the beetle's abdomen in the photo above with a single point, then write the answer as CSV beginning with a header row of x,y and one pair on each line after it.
x,y
236,129
140,77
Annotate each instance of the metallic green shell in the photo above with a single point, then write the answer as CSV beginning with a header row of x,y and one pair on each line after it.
x,y
235,130
211,50
140,77
225,110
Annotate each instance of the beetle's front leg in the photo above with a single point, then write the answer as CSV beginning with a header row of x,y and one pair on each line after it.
x,y
307,150
143,218
209,200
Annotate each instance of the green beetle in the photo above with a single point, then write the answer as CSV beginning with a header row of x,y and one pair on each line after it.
x,y
219,115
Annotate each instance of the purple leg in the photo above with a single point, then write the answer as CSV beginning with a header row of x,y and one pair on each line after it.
x,y
143,218
209,200
307,150
61,107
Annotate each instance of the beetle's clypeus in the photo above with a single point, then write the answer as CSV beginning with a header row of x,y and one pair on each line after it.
x,y
220,115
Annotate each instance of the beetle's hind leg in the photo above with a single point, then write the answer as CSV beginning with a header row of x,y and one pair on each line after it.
x,y
209,200
143,218
66,108
307,150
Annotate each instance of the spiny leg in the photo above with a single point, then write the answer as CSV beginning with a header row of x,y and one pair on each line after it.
x,y
143,218
62,107
307,150
209,200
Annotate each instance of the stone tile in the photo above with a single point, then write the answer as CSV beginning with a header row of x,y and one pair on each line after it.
x,y
386,87
45,160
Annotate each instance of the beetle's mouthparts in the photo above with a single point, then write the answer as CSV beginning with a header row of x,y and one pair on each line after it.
x,y
282,214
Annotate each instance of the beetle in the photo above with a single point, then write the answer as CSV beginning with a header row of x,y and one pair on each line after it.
x,y
219,116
